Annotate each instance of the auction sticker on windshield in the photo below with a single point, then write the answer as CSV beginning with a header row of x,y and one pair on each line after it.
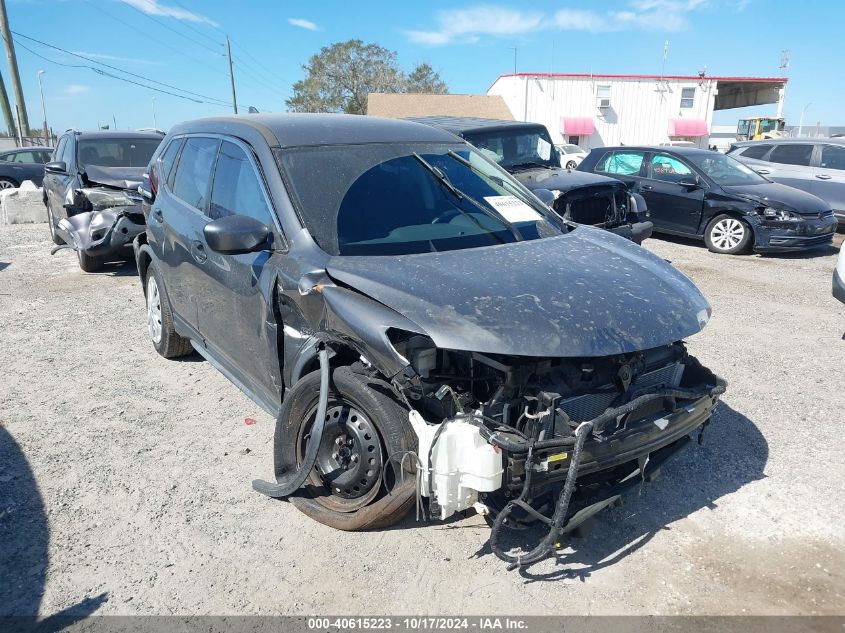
x,y
513,209
544,149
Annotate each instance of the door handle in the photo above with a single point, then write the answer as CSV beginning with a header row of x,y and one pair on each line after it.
x,y
762,171
822,176
158,215
198,251
646,187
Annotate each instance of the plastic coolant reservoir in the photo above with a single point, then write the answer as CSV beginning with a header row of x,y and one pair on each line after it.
x,y
463,463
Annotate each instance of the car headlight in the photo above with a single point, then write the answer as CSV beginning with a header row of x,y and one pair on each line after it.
x,y
780,215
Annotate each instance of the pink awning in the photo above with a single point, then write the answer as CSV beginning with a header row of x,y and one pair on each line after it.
x,y
688,127
577,126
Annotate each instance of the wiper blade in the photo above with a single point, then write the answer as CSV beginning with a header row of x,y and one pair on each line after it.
x,y
507,184
460,195
531,164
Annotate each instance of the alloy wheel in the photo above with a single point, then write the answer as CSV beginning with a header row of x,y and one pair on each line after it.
x,y
153,310
5,184
727,233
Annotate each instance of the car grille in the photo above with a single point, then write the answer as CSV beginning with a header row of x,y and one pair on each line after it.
x,y
591,405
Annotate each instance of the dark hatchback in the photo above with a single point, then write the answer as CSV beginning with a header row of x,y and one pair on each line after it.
x,y
25,163
395,299
704,194
525,150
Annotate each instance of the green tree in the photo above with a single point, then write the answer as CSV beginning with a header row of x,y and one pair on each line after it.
x,y
340,76
425,79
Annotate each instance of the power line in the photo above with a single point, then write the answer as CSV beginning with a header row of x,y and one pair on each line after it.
x,y
170,28
121,70
134,29
259,64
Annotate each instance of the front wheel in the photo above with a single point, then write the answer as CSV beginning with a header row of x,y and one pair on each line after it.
x,y
356,483
727,235
89,264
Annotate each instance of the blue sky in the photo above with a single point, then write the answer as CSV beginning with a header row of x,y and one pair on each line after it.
x,y
180,42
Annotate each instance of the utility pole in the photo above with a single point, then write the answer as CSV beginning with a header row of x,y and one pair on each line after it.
x,y
231,74
155,122
47,139
7,109
13,67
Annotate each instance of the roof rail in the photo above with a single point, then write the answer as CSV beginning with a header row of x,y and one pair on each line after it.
x,y
151,129
72,129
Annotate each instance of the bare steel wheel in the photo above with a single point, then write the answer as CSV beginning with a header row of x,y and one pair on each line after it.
x,y
349,462
727,234
356,482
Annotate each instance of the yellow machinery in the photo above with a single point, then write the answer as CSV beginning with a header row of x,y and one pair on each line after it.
x,y
759,128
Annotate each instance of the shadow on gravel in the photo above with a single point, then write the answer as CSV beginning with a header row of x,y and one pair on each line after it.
x,y
24,543
734,454
118,268
4,265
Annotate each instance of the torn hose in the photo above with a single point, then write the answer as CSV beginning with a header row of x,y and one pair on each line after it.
x,y
289,482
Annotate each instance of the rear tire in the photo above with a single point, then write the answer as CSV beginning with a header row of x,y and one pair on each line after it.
x,y
89,264
384,499
160,318
8,183
727,235
571,164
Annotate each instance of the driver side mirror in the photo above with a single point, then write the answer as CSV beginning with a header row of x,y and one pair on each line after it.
x,y
546,196
56,167
690,184
236,235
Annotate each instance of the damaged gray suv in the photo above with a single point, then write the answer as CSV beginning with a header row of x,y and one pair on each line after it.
x,y
91,192
424,329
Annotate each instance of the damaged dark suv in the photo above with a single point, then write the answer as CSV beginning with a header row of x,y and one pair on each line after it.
x,y
91,192
423,328
526,151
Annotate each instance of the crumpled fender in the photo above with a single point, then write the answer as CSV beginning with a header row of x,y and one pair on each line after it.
x,y
363,323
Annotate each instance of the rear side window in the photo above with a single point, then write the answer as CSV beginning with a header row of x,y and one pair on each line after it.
x,y
67,152
24,157
193,175
755,151
168,159
621,163
792,154
833,157
237,189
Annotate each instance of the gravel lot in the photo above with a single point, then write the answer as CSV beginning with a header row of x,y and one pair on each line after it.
x,y
125,478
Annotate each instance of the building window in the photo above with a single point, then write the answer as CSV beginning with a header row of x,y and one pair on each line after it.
x,y
603,96
687,97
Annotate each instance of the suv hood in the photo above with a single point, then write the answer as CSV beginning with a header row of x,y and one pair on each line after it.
x,y
780,196
561,179
122,177
585,293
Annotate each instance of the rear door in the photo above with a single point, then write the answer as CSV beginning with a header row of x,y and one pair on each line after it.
x,y
181,214
789,164
829,177
27,166
232,309
673,207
